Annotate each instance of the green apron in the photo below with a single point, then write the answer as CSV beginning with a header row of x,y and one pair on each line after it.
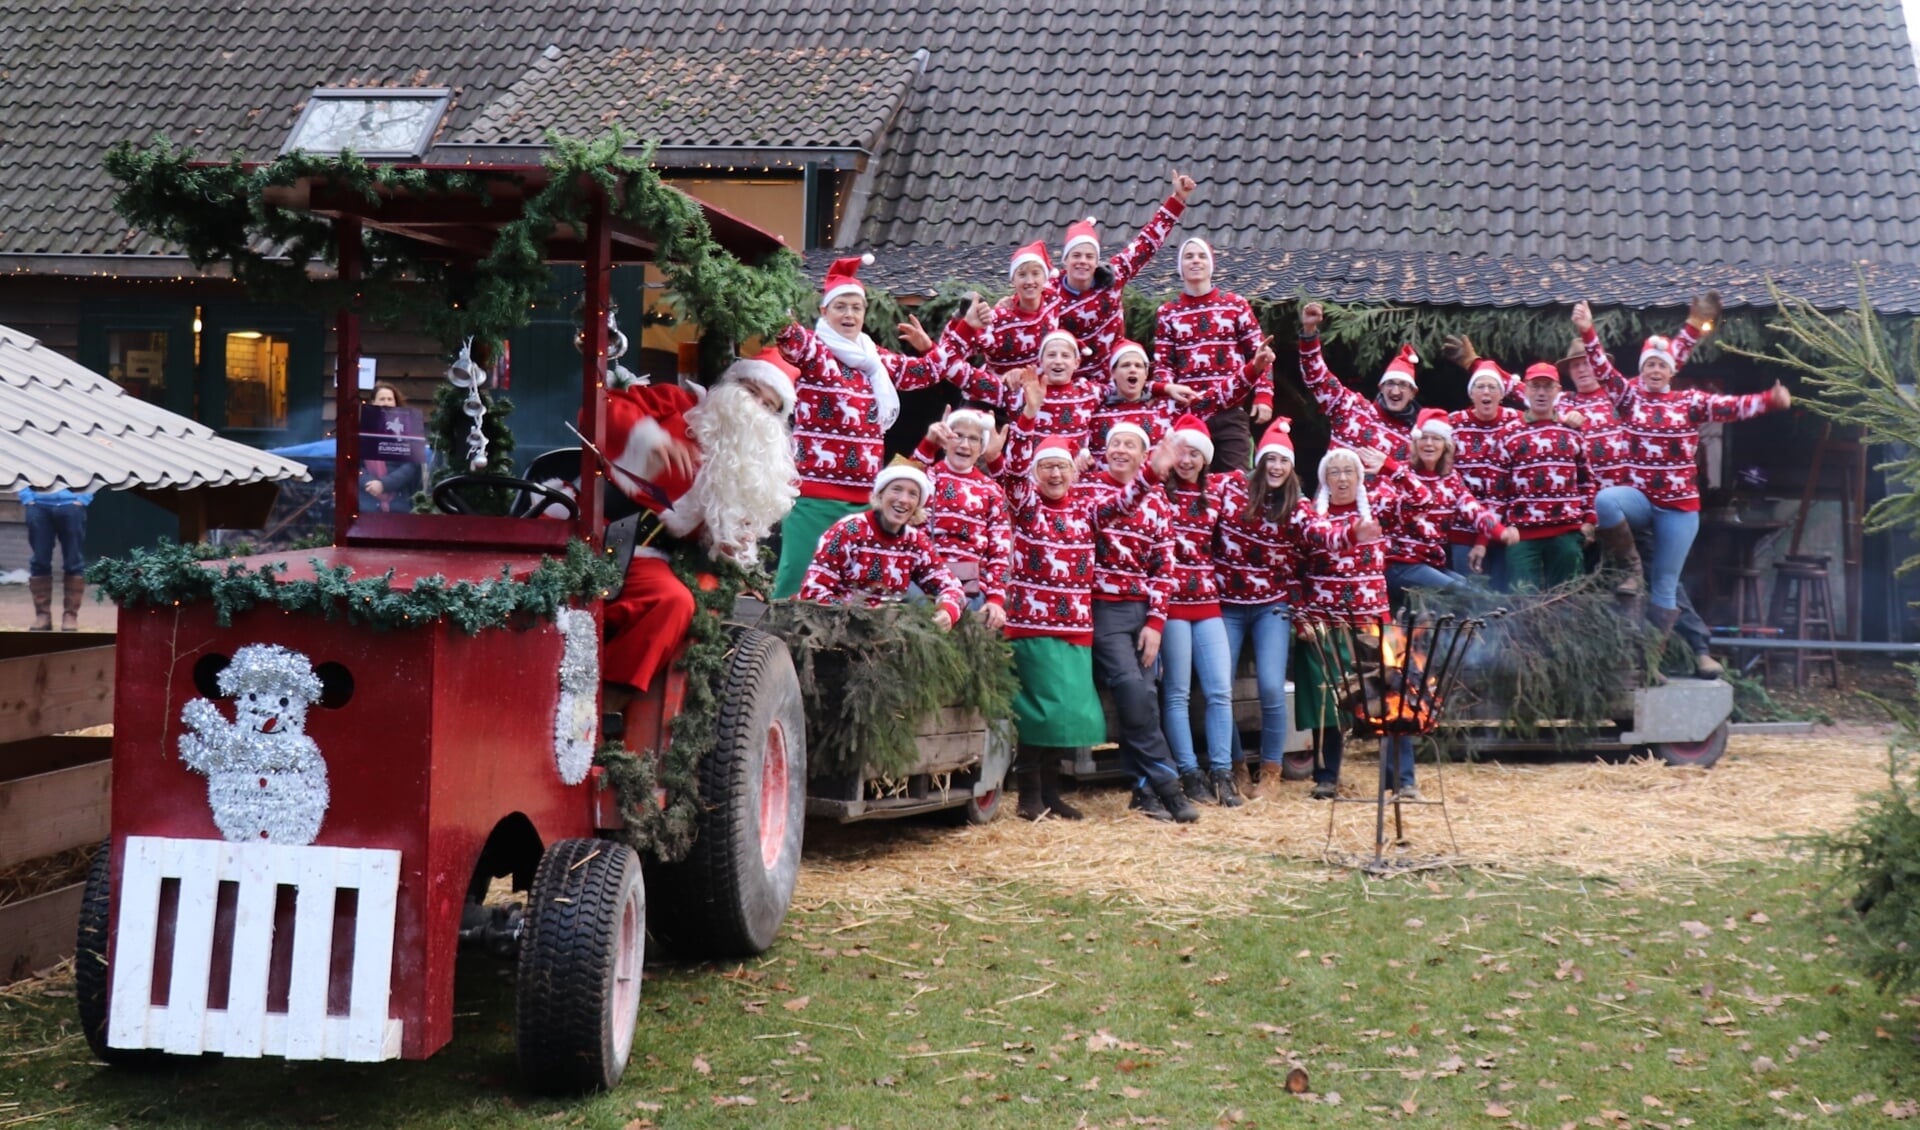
x,y
1317,690
800,534
1057,704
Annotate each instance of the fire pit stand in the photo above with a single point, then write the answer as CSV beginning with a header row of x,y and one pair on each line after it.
x,y
1386,678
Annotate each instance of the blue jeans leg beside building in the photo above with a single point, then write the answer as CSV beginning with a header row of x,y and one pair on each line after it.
x,y
1191,648
1271,627
48,526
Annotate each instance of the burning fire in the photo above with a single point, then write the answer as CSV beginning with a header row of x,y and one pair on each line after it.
x,y
1406,700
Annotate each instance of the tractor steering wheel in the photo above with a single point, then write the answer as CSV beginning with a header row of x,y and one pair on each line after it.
x,y
446,496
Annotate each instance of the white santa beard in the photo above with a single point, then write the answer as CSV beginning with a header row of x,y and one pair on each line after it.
x,y
746,481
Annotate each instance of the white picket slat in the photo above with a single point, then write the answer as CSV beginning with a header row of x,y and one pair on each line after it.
x,y
198,864
245,1022
136,923
372,955
312,956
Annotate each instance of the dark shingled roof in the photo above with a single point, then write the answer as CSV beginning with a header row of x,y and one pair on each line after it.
x,y
796,96
1417,150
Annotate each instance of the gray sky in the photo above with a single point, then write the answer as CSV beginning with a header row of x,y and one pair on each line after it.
x,y
1913,24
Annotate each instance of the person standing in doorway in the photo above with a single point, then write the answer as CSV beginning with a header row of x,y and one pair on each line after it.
x,y
56,517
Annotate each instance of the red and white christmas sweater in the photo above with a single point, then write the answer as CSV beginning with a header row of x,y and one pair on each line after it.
x,y
1014,337
1545,486
1255,554
1196,519
967,520
1050,576
1354,420
1344,580
1606,442
1422,535
1662,430
859,562
1066,410
1156,414
1133,554
1096,317
1206,343
839,444
1476,459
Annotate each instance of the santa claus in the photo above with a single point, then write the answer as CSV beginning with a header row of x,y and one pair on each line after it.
x,y
714,465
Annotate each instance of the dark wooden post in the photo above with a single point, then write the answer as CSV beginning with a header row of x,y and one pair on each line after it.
x,y
346,390
593,362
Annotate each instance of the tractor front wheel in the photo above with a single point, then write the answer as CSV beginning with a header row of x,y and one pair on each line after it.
x,y
728,897
578,992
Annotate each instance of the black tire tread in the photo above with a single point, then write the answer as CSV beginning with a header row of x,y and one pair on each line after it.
x,y
91,982
565,972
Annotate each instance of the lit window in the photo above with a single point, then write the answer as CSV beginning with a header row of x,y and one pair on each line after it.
x,y
371,121
137,362
256,380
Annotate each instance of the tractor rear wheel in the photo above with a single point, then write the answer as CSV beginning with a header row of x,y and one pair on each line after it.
x,y
728,897
577,998
1701,753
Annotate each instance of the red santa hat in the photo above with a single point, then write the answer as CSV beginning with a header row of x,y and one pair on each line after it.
x,y
1203,245
902,469
769,370
1487,369
1060,335
1277,440
842,278
1403,367
976,417
1080,231
1192,431
1035,252
1433,422
1124,347
1129,428
1658,347
1053,448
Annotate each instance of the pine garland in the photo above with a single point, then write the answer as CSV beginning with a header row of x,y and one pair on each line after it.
x,y
870,676
172,575
220,214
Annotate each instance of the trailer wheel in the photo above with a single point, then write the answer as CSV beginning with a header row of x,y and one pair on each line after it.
x,y
577,998
730,894
1701,753
90,973
1296,765
984,808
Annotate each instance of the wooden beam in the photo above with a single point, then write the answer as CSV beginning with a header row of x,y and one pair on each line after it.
x,y
35,756
38,932
52,694
53,812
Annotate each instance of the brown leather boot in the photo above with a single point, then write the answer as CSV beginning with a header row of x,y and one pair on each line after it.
x,y
1243,778
41,589
1663,620
1616,542
74,594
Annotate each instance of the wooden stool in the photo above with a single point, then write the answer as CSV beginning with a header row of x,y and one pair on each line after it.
x,y
1803,610
1749,610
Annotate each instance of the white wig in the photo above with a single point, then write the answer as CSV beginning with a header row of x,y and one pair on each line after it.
x,y
1343,455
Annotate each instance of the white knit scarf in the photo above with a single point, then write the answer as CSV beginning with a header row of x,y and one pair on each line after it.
x,y
863,356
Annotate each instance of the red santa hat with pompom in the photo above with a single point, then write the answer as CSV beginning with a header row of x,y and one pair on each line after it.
x,y
1035,252
843,278
1053,448
1278,440
770,371
1403,367
1192,431
1081,231
1125,347
1433,422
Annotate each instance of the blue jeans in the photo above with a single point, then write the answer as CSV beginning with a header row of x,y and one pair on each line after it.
x,y
1271,627
1673,534
1404,575
1187,646
1400,769
65,524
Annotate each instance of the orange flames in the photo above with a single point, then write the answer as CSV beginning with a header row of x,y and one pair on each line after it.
x,y
1400,709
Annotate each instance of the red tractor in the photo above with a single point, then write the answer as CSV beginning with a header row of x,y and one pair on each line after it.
x,y
311,804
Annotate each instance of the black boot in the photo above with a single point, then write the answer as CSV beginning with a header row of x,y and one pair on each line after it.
x,y
1223,788
1198,788
1050,789
1147,803
1026,774
1175,798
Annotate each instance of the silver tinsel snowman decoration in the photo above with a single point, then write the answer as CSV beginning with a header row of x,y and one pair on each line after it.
x,y
266,781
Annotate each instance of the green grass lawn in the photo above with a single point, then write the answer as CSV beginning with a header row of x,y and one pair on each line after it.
x,y
1462,999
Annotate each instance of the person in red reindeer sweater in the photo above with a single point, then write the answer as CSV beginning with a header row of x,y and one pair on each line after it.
x,y
1021,320
1196,636
1545,488
874,556
1382,424
1658,489
1344,575
847,396
716,467
1050,601
1417,548
1476,445
1132,399
1207,338
1089,296
967,510
1132,580
1255,555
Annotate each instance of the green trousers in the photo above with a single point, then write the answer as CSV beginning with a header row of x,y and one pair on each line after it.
x,y
800,534
1544,563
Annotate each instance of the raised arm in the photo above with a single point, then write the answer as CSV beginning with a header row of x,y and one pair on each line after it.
x,y
1714,407
802,349
1139,251
1337,402
1610,378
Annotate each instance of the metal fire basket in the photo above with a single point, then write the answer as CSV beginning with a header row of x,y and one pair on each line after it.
x,y
1389,677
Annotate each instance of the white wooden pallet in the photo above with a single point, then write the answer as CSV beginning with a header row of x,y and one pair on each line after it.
x,y
185,1025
